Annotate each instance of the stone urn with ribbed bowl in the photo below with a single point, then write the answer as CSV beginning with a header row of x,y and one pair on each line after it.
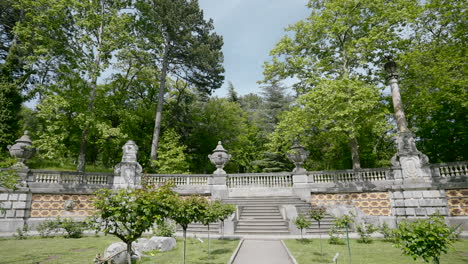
x,y
22,150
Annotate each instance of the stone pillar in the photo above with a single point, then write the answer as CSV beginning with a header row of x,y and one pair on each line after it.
x,y
127,174
408,158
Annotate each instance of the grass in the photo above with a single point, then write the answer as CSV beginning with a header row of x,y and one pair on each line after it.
x,y
197,252
84,250
308,252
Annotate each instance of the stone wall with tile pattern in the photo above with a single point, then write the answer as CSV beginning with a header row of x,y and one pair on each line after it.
x,y
373,203
457,202
419,203
53,205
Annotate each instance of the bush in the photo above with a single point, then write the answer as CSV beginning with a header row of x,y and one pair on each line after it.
x,y
388,233
47,227
50,228
22,233
73,229
365,231
336,236
425,238
165,228
301,222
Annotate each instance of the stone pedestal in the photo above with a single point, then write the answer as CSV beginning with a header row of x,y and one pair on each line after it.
x,y
218,186
301,186
127,174
411,161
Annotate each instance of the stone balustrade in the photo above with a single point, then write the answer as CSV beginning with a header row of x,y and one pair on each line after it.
x,y
177,179
260,180
378,174
450,169
70,177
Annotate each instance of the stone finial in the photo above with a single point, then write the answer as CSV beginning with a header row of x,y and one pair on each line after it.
x,y
23,149
219,158
298,156
130,151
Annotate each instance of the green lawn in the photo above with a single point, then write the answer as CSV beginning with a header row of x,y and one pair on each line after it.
x,y
83,250
378,252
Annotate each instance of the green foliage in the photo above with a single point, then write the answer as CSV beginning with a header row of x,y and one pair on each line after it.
x,y
334,114
48,228
10,106
301,223
72,228
425,238
8,177
171,158
365,231
335,235
317,213
127,213
22,233
388,233
434,80
165,228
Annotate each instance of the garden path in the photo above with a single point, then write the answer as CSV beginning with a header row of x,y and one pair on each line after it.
x,y
262,252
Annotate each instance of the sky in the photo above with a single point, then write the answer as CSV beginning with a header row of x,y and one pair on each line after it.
x,y
250,29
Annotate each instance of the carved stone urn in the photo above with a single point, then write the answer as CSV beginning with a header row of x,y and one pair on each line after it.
x,y
298,156
219,158
23,149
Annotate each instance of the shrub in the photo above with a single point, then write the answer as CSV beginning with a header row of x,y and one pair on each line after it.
x,y
165,228
425,238
47,227
22,233
387,232
301,222
365,231
72,228
336,236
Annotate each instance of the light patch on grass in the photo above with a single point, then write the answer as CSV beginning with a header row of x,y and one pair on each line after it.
x,y
378,252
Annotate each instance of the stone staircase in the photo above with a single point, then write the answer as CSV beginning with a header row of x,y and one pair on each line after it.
x,y
325,224
261,215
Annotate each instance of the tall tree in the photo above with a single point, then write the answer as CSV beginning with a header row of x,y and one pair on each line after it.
x,y
434,81
182,44
73,43
340,40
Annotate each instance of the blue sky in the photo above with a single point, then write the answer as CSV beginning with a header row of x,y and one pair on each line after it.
x,y
250,29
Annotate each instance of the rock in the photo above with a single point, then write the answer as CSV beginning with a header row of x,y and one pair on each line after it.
x,y
120,258
162,243
113,249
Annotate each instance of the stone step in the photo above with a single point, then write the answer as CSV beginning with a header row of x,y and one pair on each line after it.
x,y
253,213
262,232
263,217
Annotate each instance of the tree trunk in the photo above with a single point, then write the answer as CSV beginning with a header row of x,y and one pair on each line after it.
x,y
185,242
209,239
162,90
129,253
92,94
355,153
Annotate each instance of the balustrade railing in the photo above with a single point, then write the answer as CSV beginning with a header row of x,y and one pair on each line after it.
x,y
177,179
450,169
259,180
379,174
70,177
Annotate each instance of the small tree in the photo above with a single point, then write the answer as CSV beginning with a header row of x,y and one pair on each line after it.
x,y
8,178
210,216
301,222
425,238
127,213
365,231
346,221
318,214
223,211
186,211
